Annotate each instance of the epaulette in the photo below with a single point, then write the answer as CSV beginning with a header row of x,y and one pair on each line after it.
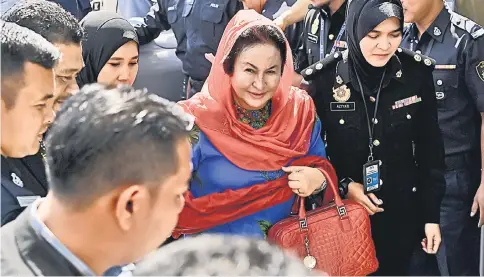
x,y
403,53
313,70
464,23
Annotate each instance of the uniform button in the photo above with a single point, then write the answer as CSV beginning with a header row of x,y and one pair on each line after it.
x,y
409,116
372,99
439,82
375,121
327,55
414,189
331,36
376,142
418,51
341,121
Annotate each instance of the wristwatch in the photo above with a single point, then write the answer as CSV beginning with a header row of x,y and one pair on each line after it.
x,y
343,186
320,189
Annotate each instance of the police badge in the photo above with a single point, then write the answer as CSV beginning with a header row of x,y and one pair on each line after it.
x,y
341,93
480,70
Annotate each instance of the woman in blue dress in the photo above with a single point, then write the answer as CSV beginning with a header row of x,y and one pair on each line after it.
x,y
257,141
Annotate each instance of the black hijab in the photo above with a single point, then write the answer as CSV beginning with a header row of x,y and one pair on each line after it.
x,y
363,16
106,32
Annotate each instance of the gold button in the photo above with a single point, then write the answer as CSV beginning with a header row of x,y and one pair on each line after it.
x,y
331,36
341,121
372,99
375,121
414,189
376,142
409,116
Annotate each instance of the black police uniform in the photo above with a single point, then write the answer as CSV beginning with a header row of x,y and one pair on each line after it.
x,y
406,139
321,32
166,15
457,45
205,23
23,181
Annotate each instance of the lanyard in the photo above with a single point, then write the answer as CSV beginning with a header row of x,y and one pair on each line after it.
x,y
322,39
372,127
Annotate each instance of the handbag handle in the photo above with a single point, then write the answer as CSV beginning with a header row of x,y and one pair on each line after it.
x,y
330,174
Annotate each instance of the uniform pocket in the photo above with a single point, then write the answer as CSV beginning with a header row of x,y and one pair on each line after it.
x,y
212,12
212,25
446,83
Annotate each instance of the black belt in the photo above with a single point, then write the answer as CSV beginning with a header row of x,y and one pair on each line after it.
x,y
462,160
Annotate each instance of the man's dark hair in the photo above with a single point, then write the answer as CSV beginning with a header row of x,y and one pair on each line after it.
x,y
105,138
259,34
18,46
48,19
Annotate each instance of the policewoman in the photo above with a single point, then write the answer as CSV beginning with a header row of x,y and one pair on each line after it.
x,y
457,45
379,110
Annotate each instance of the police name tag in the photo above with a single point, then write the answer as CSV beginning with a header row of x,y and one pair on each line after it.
x,y
342,107
24,201
371,176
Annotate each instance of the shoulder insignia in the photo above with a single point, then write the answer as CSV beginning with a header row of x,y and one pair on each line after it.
x,y
403,53
313,70
464,23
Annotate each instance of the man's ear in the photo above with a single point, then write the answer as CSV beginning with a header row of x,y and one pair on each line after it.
x,y
129,203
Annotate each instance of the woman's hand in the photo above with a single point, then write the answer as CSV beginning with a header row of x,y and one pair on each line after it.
x,y
304,180
369,201
431,243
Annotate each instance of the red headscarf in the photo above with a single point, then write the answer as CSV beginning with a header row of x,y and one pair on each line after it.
x,y
287,133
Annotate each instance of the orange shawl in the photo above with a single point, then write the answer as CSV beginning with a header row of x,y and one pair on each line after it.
x,y
287,133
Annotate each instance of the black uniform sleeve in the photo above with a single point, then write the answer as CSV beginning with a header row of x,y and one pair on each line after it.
x,y
154,22
474,74
429,152
10,208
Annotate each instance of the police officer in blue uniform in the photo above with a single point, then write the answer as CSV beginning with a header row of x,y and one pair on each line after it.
x,y
166,15
324,32
457,45
205,23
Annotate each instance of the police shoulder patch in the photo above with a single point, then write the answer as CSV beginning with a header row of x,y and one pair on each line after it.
x,y
316,69
464,23
480,70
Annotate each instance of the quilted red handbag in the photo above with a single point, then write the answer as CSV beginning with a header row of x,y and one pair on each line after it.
x,y
335,239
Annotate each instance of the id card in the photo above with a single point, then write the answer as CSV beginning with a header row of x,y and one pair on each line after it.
x,y
371,176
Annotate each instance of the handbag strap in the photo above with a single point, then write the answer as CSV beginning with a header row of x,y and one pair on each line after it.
x,y
329,172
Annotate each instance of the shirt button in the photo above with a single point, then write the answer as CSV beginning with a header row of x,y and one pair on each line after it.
x,y
414,189
331,36
341,121
439,82
376,142
372,99
409,116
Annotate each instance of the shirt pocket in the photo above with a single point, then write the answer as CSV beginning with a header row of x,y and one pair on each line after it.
x,y
211,15
446,84
401,123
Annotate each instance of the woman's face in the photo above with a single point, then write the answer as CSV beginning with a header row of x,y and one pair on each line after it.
x,y
122,67
380,44
256,77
